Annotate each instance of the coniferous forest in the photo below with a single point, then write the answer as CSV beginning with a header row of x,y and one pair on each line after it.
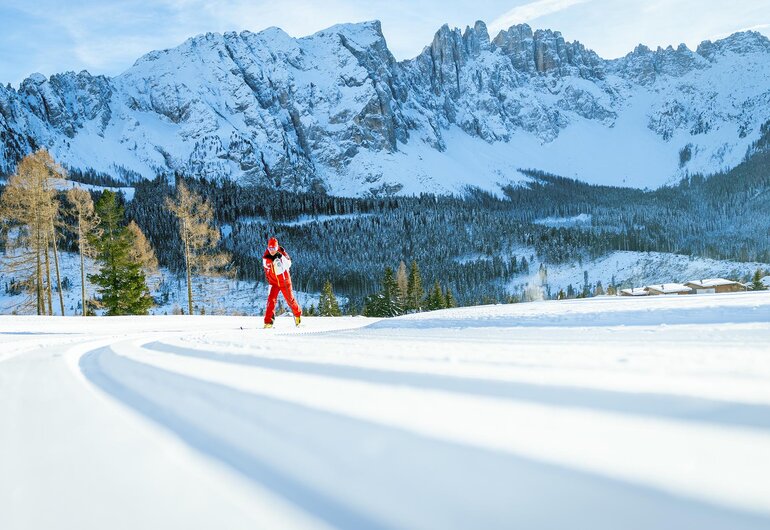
x,y
471,244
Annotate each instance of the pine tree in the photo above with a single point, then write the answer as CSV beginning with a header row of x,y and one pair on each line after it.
x,y
86,225
199,237
327,305
435,299
391,298
385,303
756,281
121,281
414,291
449,298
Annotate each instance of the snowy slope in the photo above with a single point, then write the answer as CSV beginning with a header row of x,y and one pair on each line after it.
x,y
602,414
628,269
335,109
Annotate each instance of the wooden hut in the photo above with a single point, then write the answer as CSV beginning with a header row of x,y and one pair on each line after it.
x,y
715,285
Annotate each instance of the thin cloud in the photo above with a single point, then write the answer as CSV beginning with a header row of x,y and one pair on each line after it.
x,y
762,28
532,11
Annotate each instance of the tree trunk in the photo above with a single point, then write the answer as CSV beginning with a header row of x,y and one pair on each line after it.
x,y
39,278
48,278
187,266
82,268
56,264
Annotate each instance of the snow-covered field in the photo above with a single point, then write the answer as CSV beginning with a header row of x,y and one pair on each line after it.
x,y
605,413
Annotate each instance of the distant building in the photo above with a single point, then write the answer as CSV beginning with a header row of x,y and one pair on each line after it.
x,y
715,285
668,288
635,291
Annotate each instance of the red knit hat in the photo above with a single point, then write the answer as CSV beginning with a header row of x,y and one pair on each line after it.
x,y
272,243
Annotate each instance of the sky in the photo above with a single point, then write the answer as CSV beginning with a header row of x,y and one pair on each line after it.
x,y
107,36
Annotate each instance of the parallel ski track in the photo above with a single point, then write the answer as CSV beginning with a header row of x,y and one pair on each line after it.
x,y
337,467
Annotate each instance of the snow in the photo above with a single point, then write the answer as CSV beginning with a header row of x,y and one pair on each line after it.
x,y
299,220
603,413
712,282
309,219
565,222
215,295
629,269
635,291
669,288
127,191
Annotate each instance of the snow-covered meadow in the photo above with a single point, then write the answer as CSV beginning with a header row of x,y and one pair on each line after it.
x,y
603,413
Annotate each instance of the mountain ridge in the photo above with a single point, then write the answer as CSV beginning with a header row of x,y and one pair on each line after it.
x,y
336,111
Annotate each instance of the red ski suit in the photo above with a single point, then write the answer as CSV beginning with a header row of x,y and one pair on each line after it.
x,y
277,274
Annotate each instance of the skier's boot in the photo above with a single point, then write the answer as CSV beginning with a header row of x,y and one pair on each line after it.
x,y
268,326
297,320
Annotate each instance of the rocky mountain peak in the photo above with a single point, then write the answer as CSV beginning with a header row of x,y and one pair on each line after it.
x,y
476,38
645,66
742,43
67,101
336,110
546,52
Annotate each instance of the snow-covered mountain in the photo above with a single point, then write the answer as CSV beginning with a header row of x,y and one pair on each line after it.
x,y
336,110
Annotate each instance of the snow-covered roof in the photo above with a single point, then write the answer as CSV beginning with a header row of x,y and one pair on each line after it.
x,y
765,281
636,291
712,282
669,288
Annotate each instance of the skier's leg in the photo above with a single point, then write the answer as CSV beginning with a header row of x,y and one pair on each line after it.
x,y
272,298
288,295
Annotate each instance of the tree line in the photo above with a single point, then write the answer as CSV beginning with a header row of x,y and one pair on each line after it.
x,y
36,217
475,245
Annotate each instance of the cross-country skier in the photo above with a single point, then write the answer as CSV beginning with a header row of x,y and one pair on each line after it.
x,y
277,263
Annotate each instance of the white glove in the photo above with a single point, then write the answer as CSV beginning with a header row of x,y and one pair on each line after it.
x,y
281,265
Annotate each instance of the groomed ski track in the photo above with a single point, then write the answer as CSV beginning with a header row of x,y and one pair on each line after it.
x,y
604,413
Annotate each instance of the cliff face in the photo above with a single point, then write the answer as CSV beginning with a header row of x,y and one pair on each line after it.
x,y
336,110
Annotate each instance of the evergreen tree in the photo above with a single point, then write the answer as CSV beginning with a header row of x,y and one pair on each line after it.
x,y
121,282
756,281
414,290
449,298
327,305
386,303
435,299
